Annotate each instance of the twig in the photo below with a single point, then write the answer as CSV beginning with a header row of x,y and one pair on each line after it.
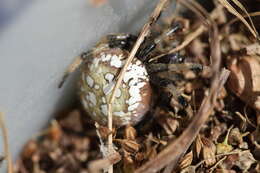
x,y
188,39
97,165
144,32
218,163
6,145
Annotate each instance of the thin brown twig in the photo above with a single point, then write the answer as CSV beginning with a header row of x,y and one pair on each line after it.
x,y
216,165
6,145
190,37
97,165
144,32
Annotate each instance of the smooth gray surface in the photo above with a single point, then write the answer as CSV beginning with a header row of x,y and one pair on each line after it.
x,y
39,43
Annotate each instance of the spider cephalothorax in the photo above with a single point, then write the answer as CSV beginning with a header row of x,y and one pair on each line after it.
x,y
102,64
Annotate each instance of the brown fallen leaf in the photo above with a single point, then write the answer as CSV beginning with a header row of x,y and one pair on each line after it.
x,y
186,160
244,80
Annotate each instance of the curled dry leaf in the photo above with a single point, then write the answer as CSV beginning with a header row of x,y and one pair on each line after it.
x,y
235,137
167,122
198,146
217,130
208,152
130,133
129,145
230,161
186,160
244,79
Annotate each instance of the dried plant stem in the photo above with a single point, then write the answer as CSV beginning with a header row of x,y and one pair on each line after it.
x,y
218,163
97,165
6,145
145,31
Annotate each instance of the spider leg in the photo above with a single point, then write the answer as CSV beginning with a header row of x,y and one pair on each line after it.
x,y
150,44
167,76
177,68
173,58
74,66
175,77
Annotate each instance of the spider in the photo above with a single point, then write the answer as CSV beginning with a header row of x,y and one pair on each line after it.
x,y
101,65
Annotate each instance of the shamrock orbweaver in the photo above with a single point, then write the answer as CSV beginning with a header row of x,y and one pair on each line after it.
x,y
101,65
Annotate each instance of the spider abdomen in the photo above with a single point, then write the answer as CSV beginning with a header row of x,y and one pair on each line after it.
x,y
133,97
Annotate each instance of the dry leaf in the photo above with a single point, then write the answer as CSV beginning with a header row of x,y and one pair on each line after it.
x,y
235,137
186,160
208,152
168,123
198,145
130,133
246,159
244,79
129,145
230,161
